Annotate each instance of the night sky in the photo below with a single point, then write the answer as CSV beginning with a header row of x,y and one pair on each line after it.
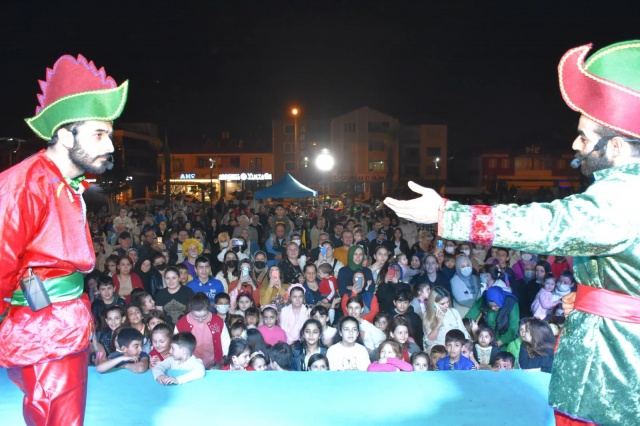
x,y
488,69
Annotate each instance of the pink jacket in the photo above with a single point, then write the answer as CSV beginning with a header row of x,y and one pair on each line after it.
x,y
292,324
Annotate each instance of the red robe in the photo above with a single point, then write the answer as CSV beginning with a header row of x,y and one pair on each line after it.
x,y
42,223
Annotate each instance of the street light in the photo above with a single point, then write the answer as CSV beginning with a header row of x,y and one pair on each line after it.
x,y
324,162
212,161
436,162
294,112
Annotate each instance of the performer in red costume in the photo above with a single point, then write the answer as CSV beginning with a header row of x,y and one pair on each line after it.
x,y
44,234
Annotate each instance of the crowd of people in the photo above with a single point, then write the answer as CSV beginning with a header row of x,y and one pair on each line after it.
x,y
312,288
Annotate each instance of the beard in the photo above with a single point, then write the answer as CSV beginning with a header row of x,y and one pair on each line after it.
x,y
83,161
593,163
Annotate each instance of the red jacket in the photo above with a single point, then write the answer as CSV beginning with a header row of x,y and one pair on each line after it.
x,y
42,226
216,325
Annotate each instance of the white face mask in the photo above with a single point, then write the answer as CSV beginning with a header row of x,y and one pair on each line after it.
x,y
466,271
450,249
466,252
526,257
224,244
223,309
297,242
563,288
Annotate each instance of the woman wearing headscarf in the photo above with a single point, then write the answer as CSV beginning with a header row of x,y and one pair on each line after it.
x,y
465,287
498,310
151,278
355,259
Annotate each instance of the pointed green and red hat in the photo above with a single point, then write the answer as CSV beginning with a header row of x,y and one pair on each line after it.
x,y
75,90
605,87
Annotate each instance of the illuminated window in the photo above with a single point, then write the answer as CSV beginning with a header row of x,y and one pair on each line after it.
x,y
376,166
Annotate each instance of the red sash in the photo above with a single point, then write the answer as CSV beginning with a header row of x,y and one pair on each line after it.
x,y
608,304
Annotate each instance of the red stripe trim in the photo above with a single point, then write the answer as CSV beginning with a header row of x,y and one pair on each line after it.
x,y
482,225
608,304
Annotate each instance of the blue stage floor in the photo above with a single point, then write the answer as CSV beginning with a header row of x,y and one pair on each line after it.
x,y
321,398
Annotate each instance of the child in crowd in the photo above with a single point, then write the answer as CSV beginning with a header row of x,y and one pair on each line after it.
x,y
238,357
258,361
238,330
400,331
421,293
244,301
467,352
293,316
129,354
256,342
407,272
134,319
348,353
454,340
544,303
108,298
154,318
437,353
328,283
370,334
281,356
212,336
565,285
484,351
420,361
161,340
504,361
271,332
145,302
252,317
321,314
536,351
318,362
310,343
114,318
182,347
388,359
223,305
381,321
185,277
402,306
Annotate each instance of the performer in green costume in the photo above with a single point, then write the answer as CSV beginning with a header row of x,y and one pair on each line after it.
x,y
595,375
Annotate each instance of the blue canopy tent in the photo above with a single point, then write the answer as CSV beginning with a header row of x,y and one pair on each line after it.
x,y
287,187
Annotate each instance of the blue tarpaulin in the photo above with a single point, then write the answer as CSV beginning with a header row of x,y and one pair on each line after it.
x,y
310,398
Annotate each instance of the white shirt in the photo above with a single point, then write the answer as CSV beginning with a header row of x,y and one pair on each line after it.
x,y
193,366
342,358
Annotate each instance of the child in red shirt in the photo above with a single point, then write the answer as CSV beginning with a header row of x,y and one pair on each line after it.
x,y
328,283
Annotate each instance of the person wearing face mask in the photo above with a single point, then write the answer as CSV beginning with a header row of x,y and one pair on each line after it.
x,y
237,246
450,247
465,286
229,272
565,285
526,261
259,273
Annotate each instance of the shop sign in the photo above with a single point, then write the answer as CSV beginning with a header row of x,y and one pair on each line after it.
x,y
245,176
